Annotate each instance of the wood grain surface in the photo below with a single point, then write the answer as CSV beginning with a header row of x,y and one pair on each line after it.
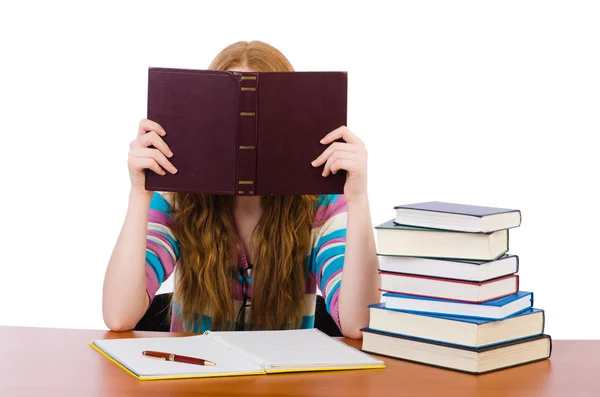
x,y
58,362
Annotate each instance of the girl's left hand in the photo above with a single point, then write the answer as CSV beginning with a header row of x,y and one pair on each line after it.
x,y
350,155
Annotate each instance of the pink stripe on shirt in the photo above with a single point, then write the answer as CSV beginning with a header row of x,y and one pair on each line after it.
x,y
161,237
164,257
325,212
158,217
152,284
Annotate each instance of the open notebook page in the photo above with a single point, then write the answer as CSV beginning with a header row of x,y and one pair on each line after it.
x,y
128,353
297,349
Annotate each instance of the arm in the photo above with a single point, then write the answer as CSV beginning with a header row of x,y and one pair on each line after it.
x,y
346,264
360,281
144,254
124,297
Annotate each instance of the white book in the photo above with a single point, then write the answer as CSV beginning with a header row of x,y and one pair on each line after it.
x,y
496,309
459,217
440,288
472,360
236,353
399,240
457,330
450,268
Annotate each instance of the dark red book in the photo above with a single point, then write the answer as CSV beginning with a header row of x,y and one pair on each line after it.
x,y
246,133
442,288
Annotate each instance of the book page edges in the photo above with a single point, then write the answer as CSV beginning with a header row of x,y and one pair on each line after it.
x,y
314,369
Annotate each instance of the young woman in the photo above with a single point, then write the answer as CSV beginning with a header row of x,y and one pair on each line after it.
x,y
229,251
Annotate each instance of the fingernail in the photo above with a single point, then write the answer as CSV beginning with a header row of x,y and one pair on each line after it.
x,y
170,154
174,170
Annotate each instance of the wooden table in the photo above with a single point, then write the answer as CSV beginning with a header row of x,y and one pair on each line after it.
x,y
59,362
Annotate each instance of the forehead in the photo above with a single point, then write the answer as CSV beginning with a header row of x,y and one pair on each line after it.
x,y
240,69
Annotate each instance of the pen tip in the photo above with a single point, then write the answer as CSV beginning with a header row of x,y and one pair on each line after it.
x,y
209,363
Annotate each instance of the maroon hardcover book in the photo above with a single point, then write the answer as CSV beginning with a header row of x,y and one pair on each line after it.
x,y
246,133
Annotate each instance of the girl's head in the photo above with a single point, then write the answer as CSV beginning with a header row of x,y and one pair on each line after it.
x,y
205,228
251,56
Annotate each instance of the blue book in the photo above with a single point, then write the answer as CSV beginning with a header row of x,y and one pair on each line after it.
x,y
496,309
457,330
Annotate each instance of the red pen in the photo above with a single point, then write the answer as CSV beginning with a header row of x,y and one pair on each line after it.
x,y
176,358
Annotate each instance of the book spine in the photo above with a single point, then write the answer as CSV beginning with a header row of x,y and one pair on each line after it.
x,y
247,135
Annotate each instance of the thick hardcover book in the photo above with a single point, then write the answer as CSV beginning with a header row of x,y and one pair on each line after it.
x,y
457,330
238,133
471,360
457,217
399,240
451,268
496,309
441,288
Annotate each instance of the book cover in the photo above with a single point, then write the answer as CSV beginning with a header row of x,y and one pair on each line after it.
x,y
398,240
463,319
449,268
458,209
457,330
496,309
441,288
240,133
500,356
457,217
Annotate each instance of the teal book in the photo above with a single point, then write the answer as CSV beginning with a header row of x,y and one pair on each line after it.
x,y
496,309
471,360
457,330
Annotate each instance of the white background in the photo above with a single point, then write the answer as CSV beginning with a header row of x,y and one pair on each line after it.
x,y
478,102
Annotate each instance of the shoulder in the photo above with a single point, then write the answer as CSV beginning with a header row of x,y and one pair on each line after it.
x,y
329,206
162,202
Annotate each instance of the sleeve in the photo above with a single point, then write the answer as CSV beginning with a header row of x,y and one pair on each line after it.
x,y
162,249
329,250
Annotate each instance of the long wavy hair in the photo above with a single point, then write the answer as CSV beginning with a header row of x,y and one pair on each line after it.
x,y
205,228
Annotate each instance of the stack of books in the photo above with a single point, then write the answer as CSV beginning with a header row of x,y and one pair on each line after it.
x,y
451,293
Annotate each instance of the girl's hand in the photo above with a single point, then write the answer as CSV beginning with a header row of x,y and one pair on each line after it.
x,y
351,156
142,157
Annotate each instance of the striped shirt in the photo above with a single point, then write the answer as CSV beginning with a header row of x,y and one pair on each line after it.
x,y
325,260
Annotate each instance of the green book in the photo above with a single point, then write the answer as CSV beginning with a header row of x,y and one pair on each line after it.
x,y
397,240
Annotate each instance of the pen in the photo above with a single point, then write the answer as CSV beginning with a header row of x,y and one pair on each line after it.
x,y
176,358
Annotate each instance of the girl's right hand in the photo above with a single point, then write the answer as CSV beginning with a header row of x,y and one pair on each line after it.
x,y
142,157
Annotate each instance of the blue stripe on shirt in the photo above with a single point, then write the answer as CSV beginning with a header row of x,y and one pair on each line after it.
x,y
155,264
159,203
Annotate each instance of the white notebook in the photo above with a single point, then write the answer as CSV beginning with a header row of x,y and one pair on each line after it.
x,y
236,353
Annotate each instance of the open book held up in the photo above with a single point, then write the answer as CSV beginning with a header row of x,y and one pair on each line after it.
x,y
246,134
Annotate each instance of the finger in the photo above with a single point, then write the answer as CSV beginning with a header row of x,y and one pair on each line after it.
x,y
149,125
336,146
152,139
337,156
341,133
141,163
157,156
344,164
